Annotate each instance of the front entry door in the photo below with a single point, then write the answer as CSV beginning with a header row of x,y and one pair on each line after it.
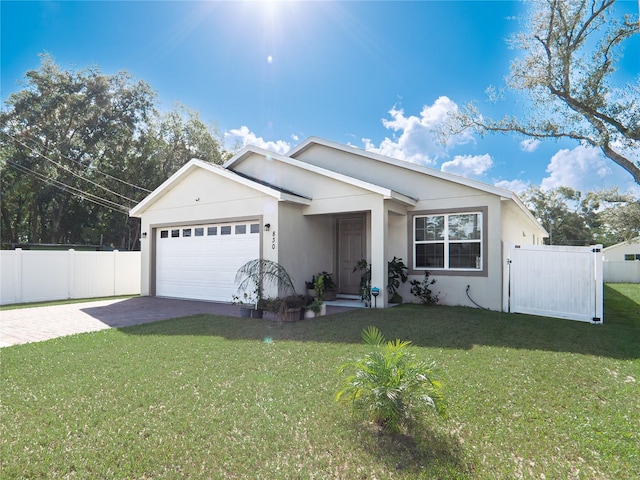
x,y
351,249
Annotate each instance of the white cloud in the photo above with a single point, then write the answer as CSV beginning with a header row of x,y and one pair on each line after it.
x,y
580,168
470,166
243,136
529,145
517,186
586,169
414,138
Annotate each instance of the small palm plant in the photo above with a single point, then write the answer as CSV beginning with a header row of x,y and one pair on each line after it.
x,y
390,386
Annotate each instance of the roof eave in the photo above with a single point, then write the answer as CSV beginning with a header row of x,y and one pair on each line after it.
x,y
139,209
160,190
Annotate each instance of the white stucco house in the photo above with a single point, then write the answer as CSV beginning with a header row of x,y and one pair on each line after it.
x,y
622,262
623,252
323,207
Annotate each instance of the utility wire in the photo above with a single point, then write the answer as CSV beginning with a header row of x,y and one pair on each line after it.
x,y
70,189
79,163
68,170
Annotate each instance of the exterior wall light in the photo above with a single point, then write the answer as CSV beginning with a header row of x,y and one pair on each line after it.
x,y
267,226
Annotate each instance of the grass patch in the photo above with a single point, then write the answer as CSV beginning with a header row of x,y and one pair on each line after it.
x,y
221,397
16,306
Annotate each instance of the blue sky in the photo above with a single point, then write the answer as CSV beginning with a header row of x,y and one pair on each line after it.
x,y
376,75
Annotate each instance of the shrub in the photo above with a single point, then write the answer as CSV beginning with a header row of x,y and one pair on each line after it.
x,y
396,273
420,288
365,279
390,386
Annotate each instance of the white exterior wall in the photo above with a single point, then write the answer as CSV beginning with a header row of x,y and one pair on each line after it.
x,y
305,244
504,218
616,253
40,275
397,242
303,236
484,290
517,229
204,197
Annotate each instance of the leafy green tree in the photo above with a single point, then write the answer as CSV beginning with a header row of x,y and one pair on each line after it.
x,y
613,216
571,218
569,54
78,149
58,132
390,386
559,212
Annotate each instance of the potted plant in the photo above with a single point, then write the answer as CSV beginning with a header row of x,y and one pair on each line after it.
x,y
318,307
248,306
311,287
258,274
272,305
396,273
291,308
329,287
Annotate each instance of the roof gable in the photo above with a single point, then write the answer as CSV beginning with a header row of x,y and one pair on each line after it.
x,y
194,164
504,194
386,193
626,242
311,141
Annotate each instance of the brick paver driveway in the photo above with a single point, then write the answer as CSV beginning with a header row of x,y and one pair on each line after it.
x,y
35,324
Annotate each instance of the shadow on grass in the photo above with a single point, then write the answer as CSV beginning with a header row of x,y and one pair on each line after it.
x,y
430,452
437,327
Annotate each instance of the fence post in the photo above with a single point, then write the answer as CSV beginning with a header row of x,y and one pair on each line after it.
x,y
598,268
115,273
70,272
18,277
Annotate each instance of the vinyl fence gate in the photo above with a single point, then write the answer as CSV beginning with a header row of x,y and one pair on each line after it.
x,y
554,281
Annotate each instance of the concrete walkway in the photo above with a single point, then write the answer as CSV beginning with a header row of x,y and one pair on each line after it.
x,y
25,325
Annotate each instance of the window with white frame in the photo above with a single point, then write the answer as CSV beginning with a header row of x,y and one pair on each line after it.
x,y
631,257
448,241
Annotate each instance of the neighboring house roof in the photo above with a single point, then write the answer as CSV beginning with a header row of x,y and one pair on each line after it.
x,y
246,152
626,242
194,164
503,193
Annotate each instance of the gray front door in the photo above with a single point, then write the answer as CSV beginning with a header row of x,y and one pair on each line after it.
x,y
351,249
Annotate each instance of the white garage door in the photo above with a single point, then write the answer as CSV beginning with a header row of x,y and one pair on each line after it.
x,y
200,261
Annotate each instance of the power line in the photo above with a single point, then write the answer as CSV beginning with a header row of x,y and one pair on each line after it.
x,y
67,169
103,202
85,166
79,163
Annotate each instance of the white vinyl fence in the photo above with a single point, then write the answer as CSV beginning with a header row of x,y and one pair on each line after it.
x,y
622,272
42,275
554,281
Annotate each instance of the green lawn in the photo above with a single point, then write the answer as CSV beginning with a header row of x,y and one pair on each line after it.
x,y
220,397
